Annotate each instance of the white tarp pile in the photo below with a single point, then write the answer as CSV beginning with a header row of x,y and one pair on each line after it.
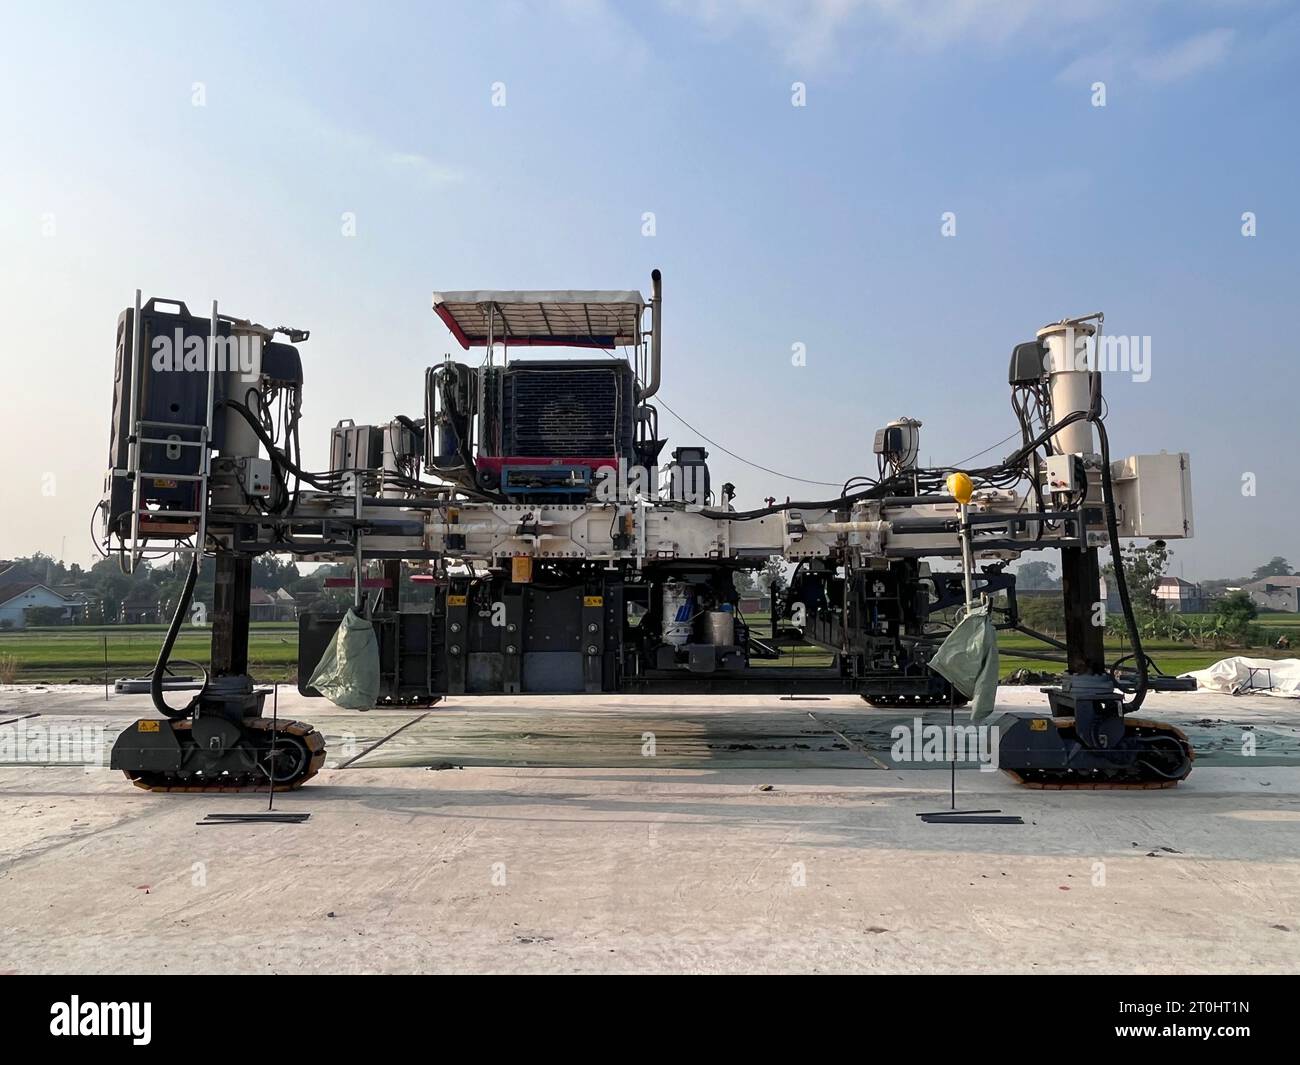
x,y
1256,676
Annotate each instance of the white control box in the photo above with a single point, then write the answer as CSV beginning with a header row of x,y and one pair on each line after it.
x,y
1153,495
1061,473
257,477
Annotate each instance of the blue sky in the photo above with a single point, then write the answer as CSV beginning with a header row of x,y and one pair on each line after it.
x,y
775,224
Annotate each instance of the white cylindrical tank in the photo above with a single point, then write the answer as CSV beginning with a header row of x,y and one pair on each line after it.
x,y
721,626
240,362
400,444
1070,383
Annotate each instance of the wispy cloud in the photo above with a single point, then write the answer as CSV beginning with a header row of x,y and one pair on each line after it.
x,y
1160,65
815,31
1187,58
363,148
808,32
422,167
606,31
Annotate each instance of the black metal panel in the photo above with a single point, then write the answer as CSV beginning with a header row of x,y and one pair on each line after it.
x,y
457,636
553,618
169,393
553,672
484,672
146,746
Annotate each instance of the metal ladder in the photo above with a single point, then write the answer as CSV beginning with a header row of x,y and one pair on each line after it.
x,y
136,544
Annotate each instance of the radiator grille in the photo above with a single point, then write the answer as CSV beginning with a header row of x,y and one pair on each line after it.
x,y
583,411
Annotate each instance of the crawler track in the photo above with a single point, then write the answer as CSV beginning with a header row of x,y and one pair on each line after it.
x,y
299,754
1163,759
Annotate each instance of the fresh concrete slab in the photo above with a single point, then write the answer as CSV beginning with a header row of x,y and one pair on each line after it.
x,y
741,845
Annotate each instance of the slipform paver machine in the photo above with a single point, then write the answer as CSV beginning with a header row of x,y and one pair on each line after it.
x,y
565,553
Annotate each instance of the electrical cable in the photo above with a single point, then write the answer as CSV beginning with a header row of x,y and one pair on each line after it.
x,y
957,465
165,652
1117,564
659,401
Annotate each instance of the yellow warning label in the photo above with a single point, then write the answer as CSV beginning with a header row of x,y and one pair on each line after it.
x,y
593,600
1037,724
457,600
146,726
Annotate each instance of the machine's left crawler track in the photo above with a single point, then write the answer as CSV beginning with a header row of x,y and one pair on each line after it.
x,y
214,755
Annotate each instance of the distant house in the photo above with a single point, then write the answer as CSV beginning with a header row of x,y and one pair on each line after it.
x,y
140,608
18,597
279,605
287,604
755,604
1179,596
1276,593
1106,593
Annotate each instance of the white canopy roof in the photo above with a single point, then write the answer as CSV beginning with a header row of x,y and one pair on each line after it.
x,y
565,318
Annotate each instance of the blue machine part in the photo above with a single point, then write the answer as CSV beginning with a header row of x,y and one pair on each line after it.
x,y
567,480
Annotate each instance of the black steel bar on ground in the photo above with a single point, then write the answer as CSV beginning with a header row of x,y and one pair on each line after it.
x,y
950,813
952,731
966,819
275,727
385,739
863,750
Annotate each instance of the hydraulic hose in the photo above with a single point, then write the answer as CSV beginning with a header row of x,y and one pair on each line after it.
x,y
165,652
280,459
1117,564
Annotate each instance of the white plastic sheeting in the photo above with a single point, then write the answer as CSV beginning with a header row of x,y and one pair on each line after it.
x,y
1257,676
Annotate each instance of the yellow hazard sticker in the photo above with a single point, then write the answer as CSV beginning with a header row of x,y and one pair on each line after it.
x,y
457,600
1037,724
593,600
146,726
160,482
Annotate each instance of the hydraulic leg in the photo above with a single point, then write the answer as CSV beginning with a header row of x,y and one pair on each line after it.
x,y
227,744
1087,742
232,592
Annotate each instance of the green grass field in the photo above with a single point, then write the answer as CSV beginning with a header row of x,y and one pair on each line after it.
x,y
77,653
60,655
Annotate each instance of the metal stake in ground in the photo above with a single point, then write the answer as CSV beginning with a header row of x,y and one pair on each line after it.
x,y
960,487
275,725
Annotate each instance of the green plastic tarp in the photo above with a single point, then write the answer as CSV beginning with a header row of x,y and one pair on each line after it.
x,y
968,660
348,672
